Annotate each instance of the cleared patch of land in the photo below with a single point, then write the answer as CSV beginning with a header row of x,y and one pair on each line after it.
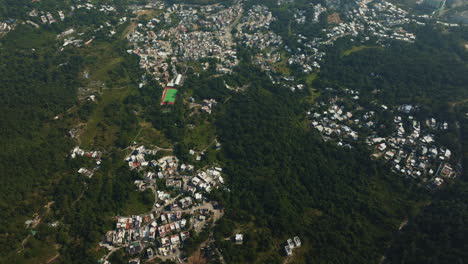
x,y
131,27
37,251
201,136
334,19
282,65
97,132
313,93
151,136
357,49
138,203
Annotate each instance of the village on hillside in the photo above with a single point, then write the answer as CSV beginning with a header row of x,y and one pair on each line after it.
x,y
181,206
410,147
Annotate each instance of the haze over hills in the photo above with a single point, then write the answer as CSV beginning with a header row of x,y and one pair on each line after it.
x,y
453,11
204,131
457,11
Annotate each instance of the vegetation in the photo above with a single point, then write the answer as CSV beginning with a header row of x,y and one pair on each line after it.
x,y
138,203
34,90
438,234
39,106
282,177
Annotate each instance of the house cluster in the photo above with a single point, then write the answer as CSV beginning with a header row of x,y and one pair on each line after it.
x,y
141,157
299,16
198,155
379,20
95,155
46,17
89,6
208,180
185,33
181,33
413,151
261,40
333,122
257,18
291,244
409,144
318,10
254,31
66,33
51,17
70,37
208,104
6,27
168,168
309,62
180,207
164,232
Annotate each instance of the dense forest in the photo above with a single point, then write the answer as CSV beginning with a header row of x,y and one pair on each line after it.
x,y
429,73
34,89
438,234
285,179
39,104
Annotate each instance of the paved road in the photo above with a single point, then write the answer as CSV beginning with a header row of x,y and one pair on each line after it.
x,y
111,249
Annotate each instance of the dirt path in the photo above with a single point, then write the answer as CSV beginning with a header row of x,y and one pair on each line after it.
x,y
23,243
52,259
114,249
453,104
81,194
205,148
403,224
36,221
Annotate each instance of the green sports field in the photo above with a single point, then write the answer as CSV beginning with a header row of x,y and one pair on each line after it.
x,y
169,96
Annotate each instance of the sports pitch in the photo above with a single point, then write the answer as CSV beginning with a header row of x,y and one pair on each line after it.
x,y
169,96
